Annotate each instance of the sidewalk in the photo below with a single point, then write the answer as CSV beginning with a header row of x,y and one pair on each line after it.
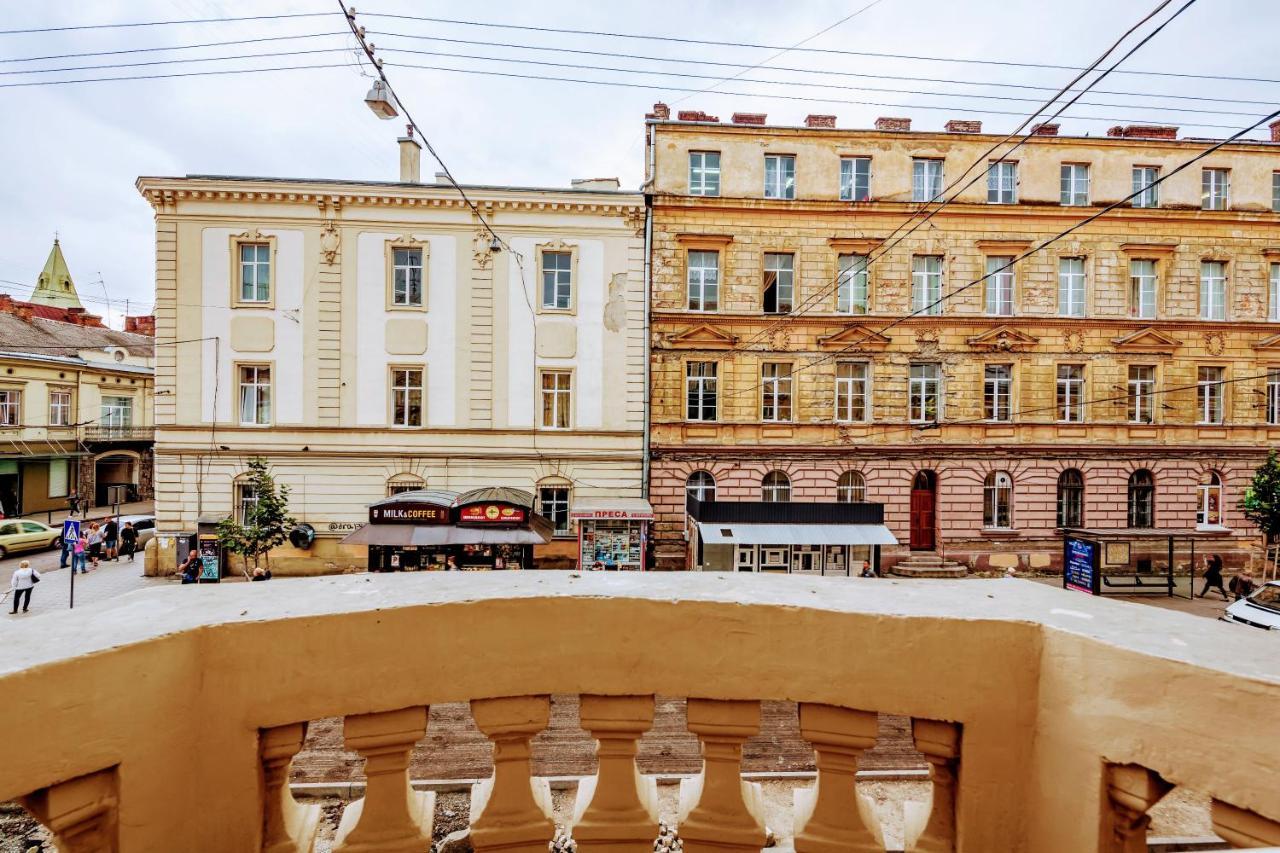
x,y
1211,606
54,517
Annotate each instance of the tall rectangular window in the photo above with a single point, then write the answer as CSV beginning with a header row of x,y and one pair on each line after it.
x,y
926,284
778,285
997,392
852,290
1144,184
1075,184
255,272
1215,189
59,408
701,392
926,179
117,412
1070,396
775,384
255,394
1275,191
1273,294
1071,287
1142,289
557,398
999,286
704,173
1213,290
924,393
10,407
1142,394
1209,394
406,396
246,500
553,505
1002,182
406,277
557,280
852,387
1273,395
704,281
855,178
59,478
779,176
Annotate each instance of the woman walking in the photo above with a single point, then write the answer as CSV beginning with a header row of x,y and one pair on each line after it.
x,y
95,543
80,554
24,580
1213,576
128,540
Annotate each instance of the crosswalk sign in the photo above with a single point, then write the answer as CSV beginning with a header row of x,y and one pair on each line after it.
x,y
70,529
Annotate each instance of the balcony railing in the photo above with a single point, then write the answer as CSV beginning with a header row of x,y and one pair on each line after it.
x,y
168,719
98,432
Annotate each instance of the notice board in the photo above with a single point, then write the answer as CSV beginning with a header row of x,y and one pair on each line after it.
x,y
1080,565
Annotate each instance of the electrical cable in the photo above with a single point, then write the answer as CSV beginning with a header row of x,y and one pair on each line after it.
x,y
177,74
199,46
180,61
135,24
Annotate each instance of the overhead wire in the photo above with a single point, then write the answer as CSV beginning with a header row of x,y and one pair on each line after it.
x,y
168,23
198,46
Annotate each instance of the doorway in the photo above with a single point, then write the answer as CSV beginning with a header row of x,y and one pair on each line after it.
x,y
924,490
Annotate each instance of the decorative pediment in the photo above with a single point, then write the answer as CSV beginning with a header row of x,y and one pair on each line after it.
x,y
1271,342
704,241
855,245
855,338
1003,247
1003,339
702,337
1271,253
1147,340
1148,250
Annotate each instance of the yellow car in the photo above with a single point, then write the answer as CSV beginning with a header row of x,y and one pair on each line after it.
x,y
19,534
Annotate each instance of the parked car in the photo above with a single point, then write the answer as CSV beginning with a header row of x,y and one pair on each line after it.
x,y
144,524
1260,610
18,535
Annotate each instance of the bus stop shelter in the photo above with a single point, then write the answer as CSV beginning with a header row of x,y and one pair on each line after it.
x,y
1141,560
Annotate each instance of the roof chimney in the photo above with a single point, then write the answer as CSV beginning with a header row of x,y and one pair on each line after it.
x,y
1275,130
696,115
748,118
819,121
896,124
410,158
1143,131
144,324
963,126
443,179
1045,129
661,112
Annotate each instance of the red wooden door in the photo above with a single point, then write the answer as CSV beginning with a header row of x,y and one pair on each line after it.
x,y
922,520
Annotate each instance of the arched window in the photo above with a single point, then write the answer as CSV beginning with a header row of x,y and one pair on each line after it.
x,y
700,486
553,503
997,501
851,488
1209,505
1071,498
246,497
1142,499
398,483
775,488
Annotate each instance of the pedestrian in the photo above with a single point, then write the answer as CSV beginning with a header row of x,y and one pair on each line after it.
x,y
68,549
261,575
73,503
128,540
190,570
111,540
80,554
451,564
95,543
24,580
1213,576
1242,584
867,571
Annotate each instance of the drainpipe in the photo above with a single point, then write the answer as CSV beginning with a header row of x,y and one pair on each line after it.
x,y
648,302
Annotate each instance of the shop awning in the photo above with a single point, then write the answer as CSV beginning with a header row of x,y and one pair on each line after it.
x,y
733,533
538,532
637,509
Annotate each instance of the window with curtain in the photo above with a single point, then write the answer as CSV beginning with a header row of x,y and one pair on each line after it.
x,y
851,488
997,501
1071,498
1209,503
700,486
1142,499
775,487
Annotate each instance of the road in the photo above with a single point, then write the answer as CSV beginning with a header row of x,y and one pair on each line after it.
x,y
54,590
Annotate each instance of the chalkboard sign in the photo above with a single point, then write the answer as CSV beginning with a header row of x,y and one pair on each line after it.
x,y
210,570
1080,561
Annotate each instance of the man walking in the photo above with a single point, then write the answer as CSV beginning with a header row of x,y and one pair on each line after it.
x,y
24,580
128,539
1213,576
111,539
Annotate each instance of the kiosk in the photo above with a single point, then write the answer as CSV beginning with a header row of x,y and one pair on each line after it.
x,y
613,533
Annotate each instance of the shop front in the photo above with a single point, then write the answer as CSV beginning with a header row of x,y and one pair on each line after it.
x,y
613,533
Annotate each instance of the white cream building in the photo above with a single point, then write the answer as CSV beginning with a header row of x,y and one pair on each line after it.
x,y
367,338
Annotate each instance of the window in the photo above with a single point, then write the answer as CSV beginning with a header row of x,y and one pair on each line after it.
x,y
1075,184
1209,504
1071,393
1144,184
1071,295
775,488
926,284
700,391
59,408
1142,289
997,500
557,398
10,406
997,392
1209,394
1070,498
1002,182
778,285
775,382
704,281
406,277
779,176
704,173
852,291
59,478
406,396
1275,191
926,179
924,393
1142,499
700,486
557,280
255,272
1213,290
1273,294
1273,395
852,386
851,488
116,412
255,394
1215,187
1000,286
855,178
553,505
401,483
246,501
1142,394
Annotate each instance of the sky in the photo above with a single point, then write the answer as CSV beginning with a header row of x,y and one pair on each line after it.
x,y
72,152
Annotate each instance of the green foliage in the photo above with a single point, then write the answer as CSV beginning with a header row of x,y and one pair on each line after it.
x,y
1261,502
266,521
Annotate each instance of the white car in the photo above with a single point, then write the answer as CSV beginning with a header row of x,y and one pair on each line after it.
x,y
1260,610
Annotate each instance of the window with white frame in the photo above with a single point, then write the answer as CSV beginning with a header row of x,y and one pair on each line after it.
x,y
851,488
1273,294
1142,394
924,393
1275,191
704,173
1142,288
1070,393
59,408
700,486
704,281
116,412
1209,503
775,488
779,176
1071,287
255,394
852,285
1213,290
926,179
406,396
701,391
553,505
997,501
557,280
255,272
997,392
1000,286
778,284
1070,498
1144,184
1209,392
246,501
406,277
1002,182
1273,395
852,391
775,386
1142,499
926,284
1215,189
398,484
855,178
10,407
1075,184
557,398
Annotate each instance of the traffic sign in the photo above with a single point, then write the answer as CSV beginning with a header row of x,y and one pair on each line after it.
x,y
70,529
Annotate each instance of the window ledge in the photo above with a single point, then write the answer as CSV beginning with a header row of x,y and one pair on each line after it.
x,y
1000,531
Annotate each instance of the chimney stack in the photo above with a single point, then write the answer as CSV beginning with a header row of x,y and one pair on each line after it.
x,y
1143,131
896,124
749,118
1045,129
819,121
963,126
144,324
1275,130
661,112
410,158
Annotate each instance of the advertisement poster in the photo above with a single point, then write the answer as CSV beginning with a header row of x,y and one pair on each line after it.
x,y
210,570
1080,565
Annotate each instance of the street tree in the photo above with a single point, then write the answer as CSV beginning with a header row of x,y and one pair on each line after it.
x,y
266,522
1261,501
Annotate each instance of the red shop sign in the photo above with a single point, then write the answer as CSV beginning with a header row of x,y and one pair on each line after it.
x,y
491,513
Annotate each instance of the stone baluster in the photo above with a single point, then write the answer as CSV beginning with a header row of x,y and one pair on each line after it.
x,y
1131,791
392,817
82,813
287,826
511,811
618,807
719,811
1243,828
939,742
831,817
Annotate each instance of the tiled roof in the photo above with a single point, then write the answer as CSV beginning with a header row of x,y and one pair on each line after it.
x,y
43,336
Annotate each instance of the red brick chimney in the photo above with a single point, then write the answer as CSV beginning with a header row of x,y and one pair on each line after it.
x,y
749,118
695,115
144,324
819,121
6,304
1045,129
1275,130
79,317
661,112
22,310
896,124
963,126
1143,131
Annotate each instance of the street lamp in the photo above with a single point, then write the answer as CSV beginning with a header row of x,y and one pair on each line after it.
x,y
379,100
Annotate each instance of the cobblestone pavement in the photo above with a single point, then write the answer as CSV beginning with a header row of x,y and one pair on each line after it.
x,y
54,590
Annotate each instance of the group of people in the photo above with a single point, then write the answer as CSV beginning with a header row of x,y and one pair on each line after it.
x,y
97,543
1241,586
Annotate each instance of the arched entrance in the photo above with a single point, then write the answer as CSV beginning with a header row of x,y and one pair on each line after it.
x,y
115,468
924,496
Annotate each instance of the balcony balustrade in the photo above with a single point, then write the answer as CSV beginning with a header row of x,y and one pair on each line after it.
x,y
98,432
167,719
